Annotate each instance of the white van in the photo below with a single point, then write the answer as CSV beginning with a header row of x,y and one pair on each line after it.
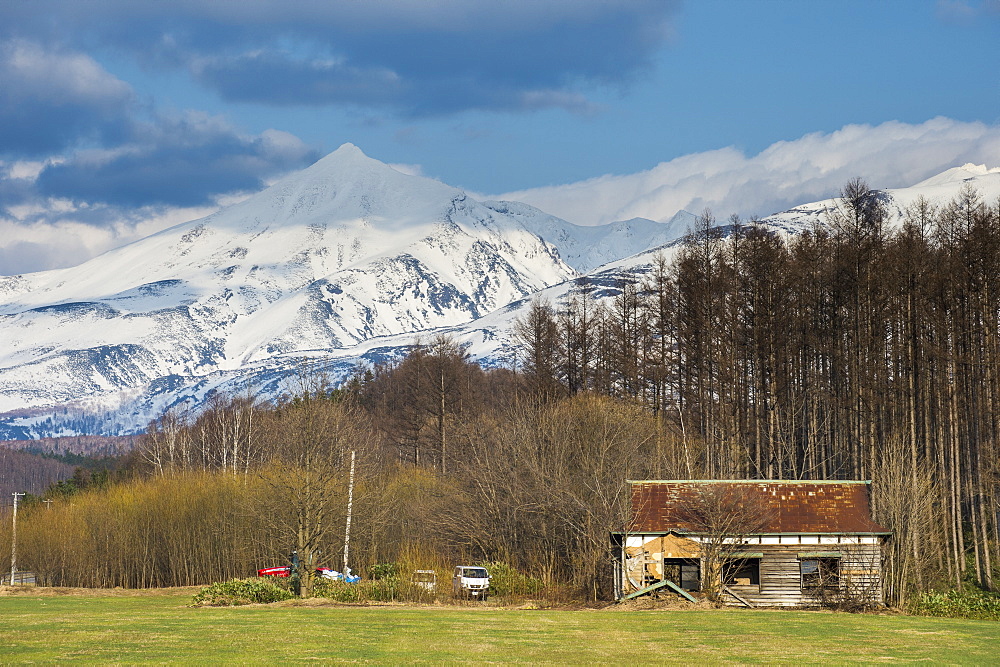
x,y
471,582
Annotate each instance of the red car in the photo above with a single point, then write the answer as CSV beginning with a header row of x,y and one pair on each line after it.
x,y
284,571
280,571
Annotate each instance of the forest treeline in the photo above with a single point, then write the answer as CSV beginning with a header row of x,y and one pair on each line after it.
x,y
849,351
90,446
245,483
30,466
29,472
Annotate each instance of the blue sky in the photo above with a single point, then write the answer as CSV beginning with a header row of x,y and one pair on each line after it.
x,y
119,117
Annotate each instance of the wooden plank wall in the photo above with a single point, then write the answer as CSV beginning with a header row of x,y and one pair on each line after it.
x,y
780,581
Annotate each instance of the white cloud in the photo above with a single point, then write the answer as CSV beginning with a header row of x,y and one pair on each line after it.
x,y
785,174
50,75
56,234
285,146
26,169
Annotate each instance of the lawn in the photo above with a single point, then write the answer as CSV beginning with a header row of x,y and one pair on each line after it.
x,y
129,627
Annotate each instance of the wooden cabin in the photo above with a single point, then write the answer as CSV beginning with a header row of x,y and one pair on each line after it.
x,y
752,542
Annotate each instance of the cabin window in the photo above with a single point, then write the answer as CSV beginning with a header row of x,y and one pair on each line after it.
x,y
820,573
741,572
690,577
685,572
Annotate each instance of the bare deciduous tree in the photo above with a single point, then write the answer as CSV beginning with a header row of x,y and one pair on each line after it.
x,y
306,480
721,516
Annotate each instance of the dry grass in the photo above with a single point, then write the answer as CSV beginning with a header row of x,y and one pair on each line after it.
x,y
58,591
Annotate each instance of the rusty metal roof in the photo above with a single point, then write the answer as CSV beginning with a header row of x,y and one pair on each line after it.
x,y
785,506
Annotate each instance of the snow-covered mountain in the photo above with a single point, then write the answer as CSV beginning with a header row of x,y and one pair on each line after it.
x,y
586,248
343,252
346,261
938,190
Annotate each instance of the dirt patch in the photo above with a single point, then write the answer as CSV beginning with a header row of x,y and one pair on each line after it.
x,y
650,603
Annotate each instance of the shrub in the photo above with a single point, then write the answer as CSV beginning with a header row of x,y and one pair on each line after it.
x,y
255,590
958,604
339,591
384,571
505,581
387,589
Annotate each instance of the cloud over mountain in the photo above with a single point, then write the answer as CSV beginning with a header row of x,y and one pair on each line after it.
x,y
812,167
171,183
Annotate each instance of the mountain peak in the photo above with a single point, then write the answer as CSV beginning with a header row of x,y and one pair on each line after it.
x,y
349,166
346,151
346,156
348,147
349,185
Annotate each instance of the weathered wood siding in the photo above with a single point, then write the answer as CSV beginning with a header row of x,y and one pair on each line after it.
x,y
780,578
781,582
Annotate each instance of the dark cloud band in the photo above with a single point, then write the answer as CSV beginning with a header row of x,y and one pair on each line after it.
x,y
181,162
414,58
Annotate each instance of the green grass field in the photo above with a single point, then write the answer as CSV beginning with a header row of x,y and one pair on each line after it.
x,y
129,627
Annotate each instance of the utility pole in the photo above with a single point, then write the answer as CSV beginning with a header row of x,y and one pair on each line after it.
x,y
350,501
13,541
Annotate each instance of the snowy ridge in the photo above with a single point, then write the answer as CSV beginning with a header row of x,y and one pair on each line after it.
x,y
938,190
586,248
348,261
